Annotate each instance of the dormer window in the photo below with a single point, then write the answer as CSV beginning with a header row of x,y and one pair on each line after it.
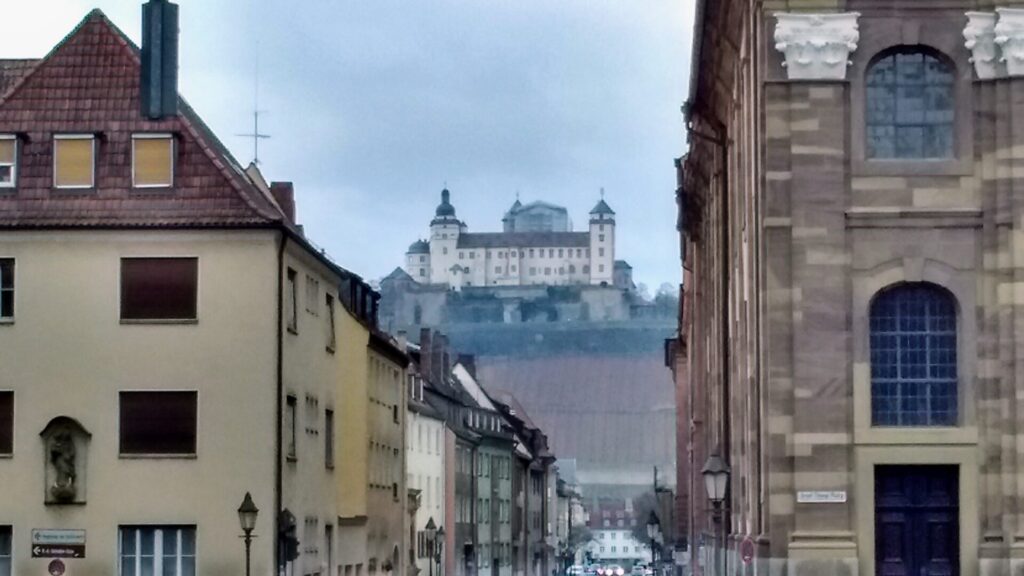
x,y
8,160
74,160
152,160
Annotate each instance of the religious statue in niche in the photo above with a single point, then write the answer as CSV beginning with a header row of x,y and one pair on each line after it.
x,y
62,456
65,444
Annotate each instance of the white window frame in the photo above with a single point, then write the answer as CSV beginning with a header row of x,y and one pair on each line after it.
x,y
14,165
158,548
152,136
92,172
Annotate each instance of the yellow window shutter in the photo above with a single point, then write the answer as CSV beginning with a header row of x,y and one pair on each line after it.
x,y
7,151
74,162
152,161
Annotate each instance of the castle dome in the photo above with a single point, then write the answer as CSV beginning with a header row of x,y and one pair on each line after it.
x,y
419,247
445,208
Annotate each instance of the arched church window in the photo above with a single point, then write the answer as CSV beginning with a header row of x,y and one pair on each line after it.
x,y
910,105
913,357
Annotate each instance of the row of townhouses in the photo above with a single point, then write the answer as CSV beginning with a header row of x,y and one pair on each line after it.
x,y
180,365
481,472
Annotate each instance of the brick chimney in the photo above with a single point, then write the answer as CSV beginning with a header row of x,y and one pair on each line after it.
x,y
437,372
284,193
446,357
158,83
425,352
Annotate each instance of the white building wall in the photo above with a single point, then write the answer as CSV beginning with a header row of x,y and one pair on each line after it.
x,y
618,547
418,266
425,440
444,237
602,249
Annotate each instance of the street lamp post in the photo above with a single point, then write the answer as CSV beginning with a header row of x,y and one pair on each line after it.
x,y
247,514
653,530
716,481
431,531
439,548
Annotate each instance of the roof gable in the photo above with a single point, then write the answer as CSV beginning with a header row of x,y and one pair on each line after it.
x,y
89,83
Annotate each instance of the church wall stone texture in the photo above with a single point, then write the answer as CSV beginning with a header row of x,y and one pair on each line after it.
x,y
845,155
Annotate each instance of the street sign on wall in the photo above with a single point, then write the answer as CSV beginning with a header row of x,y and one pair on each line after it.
x,y
58,543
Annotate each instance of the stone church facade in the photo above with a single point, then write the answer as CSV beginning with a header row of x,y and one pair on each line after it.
x,y
852,327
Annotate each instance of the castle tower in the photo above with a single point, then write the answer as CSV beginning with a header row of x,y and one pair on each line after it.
x,y
444,237
602,243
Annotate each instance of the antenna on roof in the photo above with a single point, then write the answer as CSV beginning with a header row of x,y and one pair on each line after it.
x,y
256,135
602,192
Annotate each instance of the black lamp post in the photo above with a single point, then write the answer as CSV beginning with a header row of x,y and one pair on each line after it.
x,y
716,481
247,513
653,530
431,531
439,548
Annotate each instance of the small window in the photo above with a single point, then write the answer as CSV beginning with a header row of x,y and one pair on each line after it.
x,y
394,413
152,160
158,422
572,268
74,161
444,250
5,551
472,255
292,301
290,425
423,259
332,335
561,252
531,253
423,272
586,269
8,166
159,288
462,255
6,425
164,550
600,251
600,267
551,253
312,295
6,289
513,269
547,271
600,237
497,269
329,438
910,106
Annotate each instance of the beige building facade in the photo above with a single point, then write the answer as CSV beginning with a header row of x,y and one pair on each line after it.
x,y
167,334
850,215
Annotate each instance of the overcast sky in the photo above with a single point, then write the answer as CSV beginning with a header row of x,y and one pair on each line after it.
x,y
373,105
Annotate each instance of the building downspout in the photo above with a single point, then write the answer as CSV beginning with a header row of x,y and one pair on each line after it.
x,y
278,472
720,140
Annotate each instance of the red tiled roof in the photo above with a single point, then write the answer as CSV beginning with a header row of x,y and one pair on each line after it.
x,y
89,83
12,70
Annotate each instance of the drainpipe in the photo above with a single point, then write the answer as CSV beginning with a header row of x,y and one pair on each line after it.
x,y
719,141
278,402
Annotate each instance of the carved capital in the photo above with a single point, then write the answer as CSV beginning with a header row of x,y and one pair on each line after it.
x,y
1009,36
816,46
980,39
